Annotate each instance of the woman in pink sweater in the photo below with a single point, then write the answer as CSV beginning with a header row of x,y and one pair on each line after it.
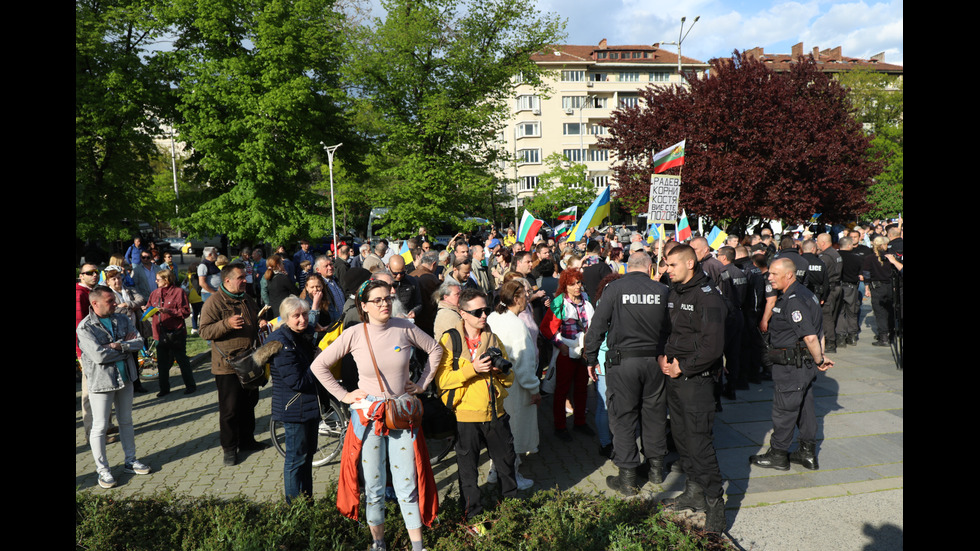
x,y
368,440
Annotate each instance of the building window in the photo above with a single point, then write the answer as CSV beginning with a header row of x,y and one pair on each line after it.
x,y
636,55
601,55
597,77
629,77
629,101
572,102
659,76
597,130
528,183
571,129
600,181
598,154
573,155
613,55
528,156
581,155
528,130
525,103
573,76
599,102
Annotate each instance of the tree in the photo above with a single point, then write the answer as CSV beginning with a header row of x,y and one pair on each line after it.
x,y
759,143
258,92
437,75
879,105
563,185
119,92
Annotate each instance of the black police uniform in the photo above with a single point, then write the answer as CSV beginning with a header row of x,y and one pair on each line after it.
x,y
797,314
697,341
752,309
801,264
734,287
851,298
633,311
816,276
835,296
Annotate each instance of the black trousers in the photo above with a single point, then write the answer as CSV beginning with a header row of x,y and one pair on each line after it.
x,y
881,306
792,404
692,419
635,396
176,350
752,346
831,311
236,412
499,441
733,347
847,320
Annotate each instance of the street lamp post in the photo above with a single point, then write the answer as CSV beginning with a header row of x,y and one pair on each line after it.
x,y
680,39
333,215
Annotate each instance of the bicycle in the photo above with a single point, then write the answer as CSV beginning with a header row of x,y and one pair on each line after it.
x,y
331,432
148,360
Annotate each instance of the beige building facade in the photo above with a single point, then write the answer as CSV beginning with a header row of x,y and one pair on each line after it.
x,y
589,83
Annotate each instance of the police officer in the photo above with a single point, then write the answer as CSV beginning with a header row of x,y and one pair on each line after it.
x,y
734,287
633,311
816,271
796,330
835,297
692,358
847,321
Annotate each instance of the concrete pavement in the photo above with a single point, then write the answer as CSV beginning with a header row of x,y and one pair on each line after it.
x,y
854,501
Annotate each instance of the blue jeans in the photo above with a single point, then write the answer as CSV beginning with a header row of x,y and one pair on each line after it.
x,y
601,414
399,447
300,449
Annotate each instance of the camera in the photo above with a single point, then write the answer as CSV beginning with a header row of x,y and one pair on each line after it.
x,y
497,360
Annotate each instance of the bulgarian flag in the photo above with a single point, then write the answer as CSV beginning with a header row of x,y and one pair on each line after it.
x,y
529,229
571,213
683,229
669,158
562,230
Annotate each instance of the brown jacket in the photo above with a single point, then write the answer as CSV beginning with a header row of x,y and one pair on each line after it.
x,y
214,327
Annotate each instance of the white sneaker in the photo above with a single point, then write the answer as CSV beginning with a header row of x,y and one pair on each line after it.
x,y
136,468
106,480
523,483
492,477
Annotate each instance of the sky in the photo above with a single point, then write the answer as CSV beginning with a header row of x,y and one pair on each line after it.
x,y
862,29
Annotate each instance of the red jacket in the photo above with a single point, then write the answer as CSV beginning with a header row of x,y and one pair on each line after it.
x,y
348,488
174,300
81,311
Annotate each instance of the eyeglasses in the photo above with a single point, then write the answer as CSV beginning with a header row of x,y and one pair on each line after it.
x,y
144,257
396,274
479,312
377,302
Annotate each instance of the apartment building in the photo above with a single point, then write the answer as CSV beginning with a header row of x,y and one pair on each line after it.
x,y
590,82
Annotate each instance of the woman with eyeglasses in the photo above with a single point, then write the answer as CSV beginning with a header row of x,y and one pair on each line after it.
x,y
565,325
386,342
128,303
170,331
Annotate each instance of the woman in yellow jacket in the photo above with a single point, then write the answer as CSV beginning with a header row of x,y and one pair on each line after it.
x,y
475,389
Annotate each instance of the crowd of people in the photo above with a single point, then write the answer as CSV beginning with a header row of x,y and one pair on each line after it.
x,y
496,324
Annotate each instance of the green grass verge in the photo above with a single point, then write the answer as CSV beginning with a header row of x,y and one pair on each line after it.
x,y
196,345
546,520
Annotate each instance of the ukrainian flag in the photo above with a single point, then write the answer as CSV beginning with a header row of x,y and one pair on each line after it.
x,y
406,252
716,238
598,211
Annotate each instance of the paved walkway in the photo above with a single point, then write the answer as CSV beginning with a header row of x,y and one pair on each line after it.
x,y
854,501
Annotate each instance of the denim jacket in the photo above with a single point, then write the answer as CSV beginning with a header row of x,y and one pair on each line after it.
x,y
98,360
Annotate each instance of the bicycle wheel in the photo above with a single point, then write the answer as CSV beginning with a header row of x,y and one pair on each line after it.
x,y
331,432
440,446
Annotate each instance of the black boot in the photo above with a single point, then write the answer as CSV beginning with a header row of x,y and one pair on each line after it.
x,y
656,475
772,459
806,455
625,483
691,499
714,518
230,458
830,347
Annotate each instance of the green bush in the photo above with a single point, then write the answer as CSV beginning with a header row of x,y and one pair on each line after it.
x,y
546,520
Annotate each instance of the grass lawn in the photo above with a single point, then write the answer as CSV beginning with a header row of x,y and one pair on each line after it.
x,y
196,345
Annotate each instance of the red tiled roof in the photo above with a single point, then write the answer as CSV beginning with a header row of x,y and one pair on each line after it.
x,y
829,60
570,53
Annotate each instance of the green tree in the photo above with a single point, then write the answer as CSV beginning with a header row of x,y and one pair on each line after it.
x,y
437,74
563,185
258,92
878,101
119,93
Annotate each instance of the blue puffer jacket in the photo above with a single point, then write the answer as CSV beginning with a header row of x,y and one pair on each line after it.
x,y
294,387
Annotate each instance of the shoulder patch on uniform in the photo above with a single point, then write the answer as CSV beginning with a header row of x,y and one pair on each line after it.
x,y
797,316
706,289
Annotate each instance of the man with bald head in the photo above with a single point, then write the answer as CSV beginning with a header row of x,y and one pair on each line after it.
x,y
711,265
796,330
406,287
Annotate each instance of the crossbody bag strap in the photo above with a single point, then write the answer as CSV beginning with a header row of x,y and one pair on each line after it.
x,y
381,382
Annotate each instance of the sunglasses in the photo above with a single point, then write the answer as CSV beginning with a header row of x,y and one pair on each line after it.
x,y
479,311
91,273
